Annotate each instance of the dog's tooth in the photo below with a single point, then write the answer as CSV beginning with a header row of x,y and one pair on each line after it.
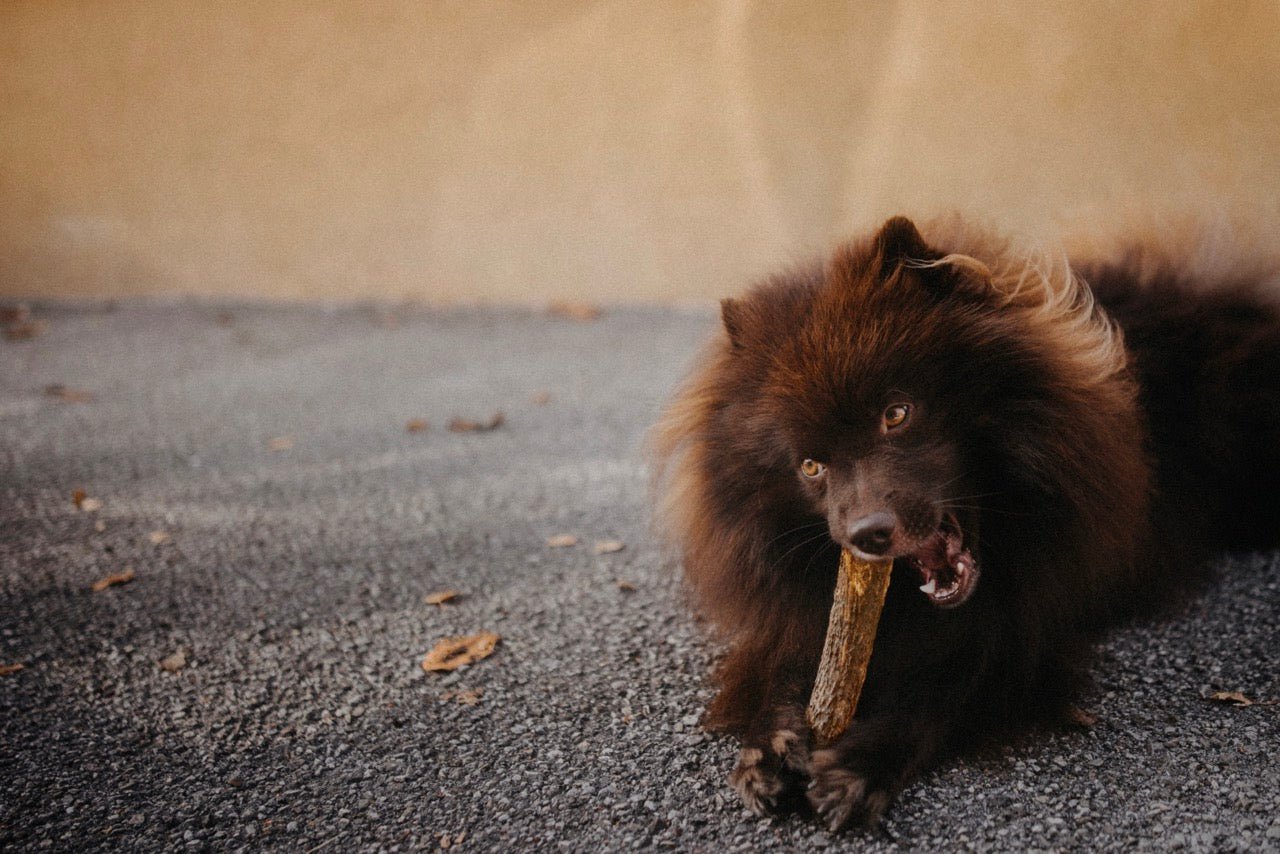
x,y
930,588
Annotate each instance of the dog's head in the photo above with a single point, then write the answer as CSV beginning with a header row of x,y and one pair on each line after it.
x,y
900,398
876,390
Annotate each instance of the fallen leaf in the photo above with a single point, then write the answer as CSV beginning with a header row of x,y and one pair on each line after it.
x,y
441,596
467,696
174,663
1235,698
541,398
15,313
71,395
91,505
112,580
417,425
465,425
10,669
452,653
575,310
605,547
158,538
561,541
280,443
224,318
1081,717
78,497
24,330
625,586
100,526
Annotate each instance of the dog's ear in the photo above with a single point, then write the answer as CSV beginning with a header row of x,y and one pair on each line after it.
x,y
731,317
898,242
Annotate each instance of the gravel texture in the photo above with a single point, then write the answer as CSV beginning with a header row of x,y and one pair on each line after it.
x,y
292,582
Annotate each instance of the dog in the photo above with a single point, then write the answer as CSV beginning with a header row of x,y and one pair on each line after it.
x,y
1044,450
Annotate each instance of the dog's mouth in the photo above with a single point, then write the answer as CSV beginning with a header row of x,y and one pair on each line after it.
x,y
946,565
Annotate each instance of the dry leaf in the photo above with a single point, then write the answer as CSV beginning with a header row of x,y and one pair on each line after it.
x,y
10,669
575,310
71,395
452,653
91,505
441,596
541,398
15,313
174,663
224,318
1082,718
467,696
465,425
1234,698
605,547
24,330
625,586
112,580
280,443
417,425
158,538
561,541
78,497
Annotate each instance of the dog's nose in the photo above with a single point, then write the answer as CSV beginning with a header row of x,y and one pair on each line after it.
x,y
873,534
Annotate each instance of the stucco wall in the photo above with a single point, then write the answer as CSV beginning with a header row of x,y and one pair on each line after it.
x,y
505,151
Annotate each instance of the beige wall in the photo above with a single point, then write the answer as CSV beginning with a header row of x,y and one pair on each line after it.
x,y
606,150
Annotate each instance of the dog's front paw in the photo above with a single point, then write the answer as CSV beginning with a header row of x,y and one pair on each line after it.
x,y
767,777
841,796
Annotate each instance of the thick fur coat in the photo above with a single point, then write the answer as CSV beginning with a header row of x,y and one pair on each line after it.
x,y
1044,450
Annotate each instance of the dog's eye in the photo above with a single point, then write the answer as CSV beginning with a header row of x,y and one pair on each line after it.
x,y
812,469
895,416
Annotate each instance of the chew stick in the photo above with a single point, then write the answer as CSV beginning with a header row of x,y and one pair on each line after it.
x,y
851,630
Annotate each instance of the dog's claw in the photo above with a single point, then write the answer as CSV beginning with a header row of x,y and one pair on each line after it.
x,y
842,797
765,774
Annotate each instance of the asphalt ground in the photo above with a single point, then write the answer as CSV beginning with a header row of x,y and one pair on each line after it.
x,y
253,467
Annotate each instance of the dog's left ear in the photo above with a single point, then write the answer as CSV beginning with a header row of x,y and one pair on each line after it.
x,y
897,242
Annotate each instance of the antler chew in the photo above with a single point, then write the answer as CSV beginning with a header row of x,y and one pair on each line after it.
x,y
851,631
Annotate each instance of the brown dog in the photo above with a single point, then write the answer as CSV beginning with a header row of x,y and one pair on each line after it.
x,y
1042,450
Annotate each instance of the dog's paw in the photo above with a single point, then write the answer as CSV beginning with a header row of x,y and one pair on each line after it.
x,y
842,797
756,782
766,776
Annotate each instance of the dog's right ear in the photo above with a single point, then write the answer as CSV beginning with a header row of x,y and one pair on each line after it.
x,y
731,317
899,242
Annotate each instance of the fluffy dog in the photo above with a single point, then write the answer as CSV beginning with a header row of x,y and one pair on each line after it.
x,y
1043,451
